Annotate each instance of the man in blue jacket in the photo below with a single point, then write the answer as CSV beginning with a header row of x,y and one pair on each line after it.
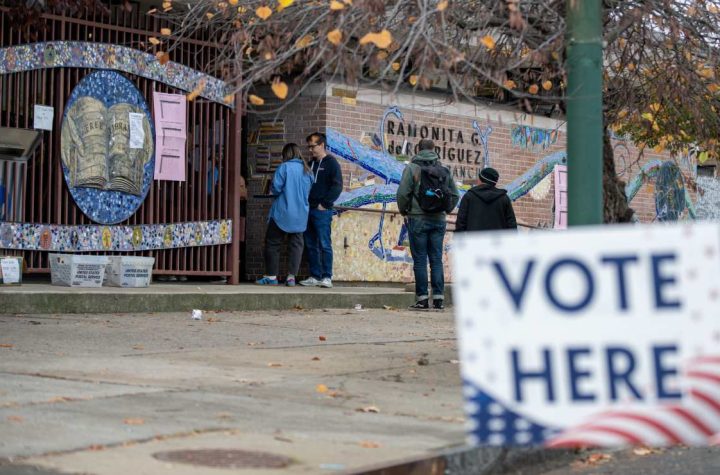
x,y
327,186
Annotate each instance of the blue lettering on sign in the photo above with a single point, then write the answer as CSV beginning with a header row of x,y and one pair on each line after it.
x,y
576,374
662,280
516,293
620,262
620,366
661,371
589,285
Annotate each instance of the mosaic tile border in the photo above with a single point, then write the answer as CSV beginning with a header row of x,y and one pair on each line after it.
x,y
86,238
83,54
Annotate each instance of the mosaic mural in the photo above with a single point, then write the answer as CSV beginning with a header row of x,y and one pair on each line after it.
x,y
146,237
107,177
671,195
533,138
81,54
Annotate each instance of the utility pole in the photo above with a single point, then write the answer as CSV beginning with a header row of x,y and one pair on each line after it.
x,y
584,112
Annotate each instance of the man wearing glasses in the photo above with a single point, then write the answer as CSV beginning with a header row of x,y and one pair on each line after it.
x,y
327,186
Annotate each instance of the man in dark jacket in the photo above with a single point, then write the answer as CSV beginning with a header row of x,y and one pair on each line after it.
x,y
327,186
486,207
426,230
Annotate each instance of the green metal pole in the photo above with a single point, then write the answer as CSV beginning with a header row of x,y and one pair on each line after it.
x,y
584,112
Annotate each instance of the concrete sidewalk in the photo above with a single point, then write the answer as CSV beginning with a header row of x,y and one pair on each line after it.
x,y
43,298
330,390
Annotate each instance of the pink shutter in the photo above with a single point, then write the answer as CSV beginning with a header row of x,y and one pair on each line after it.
x,y
170,112
561,204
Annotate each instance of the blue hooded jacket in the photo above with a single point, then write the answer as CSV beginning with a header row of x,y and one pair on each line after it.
x,y
291,187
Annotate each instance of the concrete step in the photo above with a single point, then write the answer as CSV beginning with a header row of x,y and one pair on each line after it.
x,y
43,298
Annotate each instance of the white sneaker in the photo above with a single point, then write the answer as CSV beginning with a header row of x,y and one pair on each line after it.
x,y
326,282
310,282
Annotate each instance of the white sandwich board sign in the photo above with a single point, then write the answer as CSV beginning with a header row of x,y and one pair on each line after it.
x,y
597,336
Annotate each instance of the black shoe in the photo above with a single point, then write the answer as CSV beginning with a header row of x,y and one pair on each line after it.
x,y
420,305
439,304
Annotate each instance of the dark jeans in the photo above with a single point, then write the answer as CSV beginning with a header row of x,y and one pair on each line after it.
x,y
318,243
274,237
426,243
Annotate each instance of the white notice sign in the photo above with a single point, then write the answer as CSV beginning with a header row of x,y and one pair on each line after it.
x,y
598,336
137,133
43,117
10,270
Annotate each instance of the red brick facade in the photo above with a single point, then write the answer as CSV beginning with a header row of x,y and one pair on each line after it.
x,y
358,118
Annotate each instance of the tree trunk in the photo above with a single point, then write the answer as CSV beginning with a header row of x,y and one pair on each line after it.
x,y
615,204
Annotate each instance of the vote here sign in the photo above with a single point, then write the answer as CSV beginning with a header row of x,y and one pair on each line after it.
x,y
597,336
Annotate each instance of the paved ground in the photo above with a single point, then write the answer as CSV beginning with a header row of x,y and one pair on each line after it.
x,y
332,390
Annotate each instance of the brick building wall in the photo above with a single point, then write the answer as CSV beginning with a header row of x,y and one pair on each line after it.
x,y
510,150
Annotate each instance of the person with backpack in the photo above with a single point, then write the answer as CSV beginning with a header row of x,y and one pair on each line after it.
x,y
426,194
485,207
288,215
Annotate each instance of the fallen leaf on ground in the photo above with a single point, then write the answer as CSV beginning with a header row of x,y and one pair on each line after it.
x,y
388,307
322,338
373,409
315,358
455,361
134,421
282,439
642,451
15,418
321,388
369,444
6,345
274,365
96,447
255,343
594,459
298,307
213,320
223,415
138,347
60,399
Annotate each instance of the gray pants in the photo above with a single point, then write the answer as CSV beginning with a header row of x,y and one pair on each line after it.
x,y
274,237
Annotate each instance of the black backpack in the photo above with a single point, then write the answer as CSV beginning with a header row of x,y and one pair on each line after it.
x,y
434,194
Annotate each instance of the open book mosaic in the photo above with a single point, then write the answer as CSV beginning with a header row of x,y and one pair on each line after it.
x,y
108,162
145,237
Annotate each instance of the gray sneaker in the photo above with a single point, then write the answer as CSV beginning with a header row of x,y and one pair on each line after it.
x,y
326,282
310,282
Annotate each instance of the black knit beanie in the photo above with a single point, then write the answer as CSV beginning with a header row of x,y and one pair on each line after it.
x,y
489,175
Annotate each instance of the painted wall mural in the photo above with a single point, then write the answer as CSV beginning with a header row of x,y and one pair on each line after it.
x,y
384,234
146,237
108,176
533,138
671,195
82,54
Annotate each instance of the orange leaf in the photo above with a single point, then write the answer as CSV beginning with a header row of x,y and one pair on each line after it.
x,y
274,365
165,31
488,41
198,89
413,79
256,100
509,83
441,6
533,89
167,6
280,89
233,2
229,98
134,421
335,36
6,345
396,66
162,57
335,5
263,12
315,358
368,444
154,40
283,4
321,388
382,39
304,42
322,338
547,85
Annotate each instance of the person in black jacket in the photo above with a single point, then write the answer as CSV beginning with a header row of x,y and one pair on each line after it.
x,y
327,186
486,207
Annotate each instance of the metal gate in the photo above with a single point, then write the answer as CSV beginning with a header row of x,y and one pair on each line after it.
x,y
214,184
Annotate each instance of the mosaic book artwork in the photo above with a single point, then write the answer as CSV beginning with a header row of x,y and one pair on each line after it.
x,y
108,175
146,237
81,54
